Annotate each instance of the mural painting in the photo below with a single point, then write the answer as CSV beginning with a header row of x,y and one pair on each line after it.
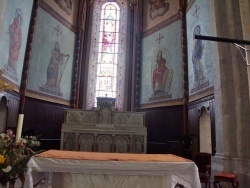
x,y
201,54
162,77
15,18
51,63
157,8
162,67
65,5
15,34
3,8
55,71
157,11
67,9
197,54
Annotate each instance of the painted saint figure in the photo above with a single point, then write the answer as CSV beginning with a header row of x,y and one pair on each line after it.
x,y
15,33
197,56
108,39
158,8
56,66
65,5
162,76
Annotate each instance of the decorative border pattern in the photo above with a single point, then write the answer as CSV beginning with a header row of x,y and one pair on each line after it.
x,y
162,104
55,15
45,97
161,25
201,94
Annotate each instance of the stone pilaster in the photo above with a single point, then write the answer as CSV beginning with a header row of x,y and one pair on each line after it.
x,y
232,92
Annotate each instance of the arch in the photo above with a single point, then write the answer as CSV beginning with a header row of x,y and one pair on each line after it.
x,y
69,141
104,143
121,144
94,57
138,144
205,135
86,142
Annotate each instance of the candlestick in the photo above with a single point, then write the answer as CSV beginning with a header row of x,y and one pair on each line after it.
x,y
19,126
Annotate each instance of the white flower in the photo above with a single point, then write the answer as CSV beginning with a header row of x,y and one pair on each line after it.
x,y
7,169
37,143
25,141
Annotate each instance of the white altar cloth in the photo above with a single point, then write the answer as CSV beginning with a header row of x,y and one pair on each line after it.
x,y
148,171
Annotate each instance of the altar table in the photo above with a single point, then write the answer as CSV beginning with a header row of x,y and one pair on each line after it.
x,y
74,169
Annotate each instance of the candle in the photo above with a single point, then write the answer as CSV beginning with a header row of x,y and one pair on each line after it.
x,y
19,126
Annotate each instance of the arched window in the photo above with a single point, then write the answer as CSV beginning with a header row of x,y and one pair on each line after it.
x,y
108,51
106,74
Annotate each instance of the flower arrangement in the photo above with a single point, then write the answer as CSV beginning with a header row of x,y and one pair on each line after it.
x,y
14,155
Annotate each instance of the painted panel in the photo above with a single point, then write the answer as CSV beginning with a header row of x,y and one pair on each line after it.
x,y
156,11
162,68
201,54
50,73
65,8
14,26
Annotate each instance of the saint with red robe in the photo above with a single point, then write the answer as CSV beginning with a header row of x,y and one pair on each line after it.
x,y
15,33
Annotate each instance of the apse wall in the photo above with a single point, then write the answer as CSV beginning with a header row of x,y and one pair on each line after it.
x,y
52,54
162,67
202,54
14,26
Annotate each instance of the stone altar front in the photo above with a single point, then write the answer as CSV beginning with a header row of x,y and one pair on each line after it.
x,y
104,129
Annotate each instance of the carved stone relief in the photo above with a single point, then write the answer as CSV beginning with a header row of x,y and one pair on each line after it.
x,y
73,118
88,118
104,130
69,141
86,142
138,145
121,144
104,143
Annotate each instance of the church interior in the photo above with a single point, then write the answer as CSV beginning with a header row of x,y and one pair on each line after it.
x,y
132,64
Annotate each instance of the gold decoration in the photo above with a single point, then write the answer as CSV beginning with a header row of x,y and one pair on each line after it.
x,y
3,84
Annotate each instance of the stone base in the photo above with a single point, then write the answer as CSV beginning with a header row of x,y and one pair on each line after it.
x,y
51,90
10,73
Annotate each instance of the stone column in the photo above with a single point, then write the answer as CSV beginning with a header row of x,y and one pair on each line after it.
x,y
62,141
245,20
95,143
231,92
130,144
113,143
77,148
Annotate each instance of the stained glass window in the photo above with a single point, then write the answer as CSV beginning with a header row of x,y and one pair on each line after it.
x,y
108,51
106,73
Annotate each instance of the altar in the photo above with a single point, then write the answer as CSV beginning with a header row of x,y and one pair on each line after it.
x,y
110,170
104,129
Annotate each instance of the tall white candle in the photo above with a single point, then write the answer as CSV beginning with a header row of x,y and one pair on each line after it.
x,y
19,126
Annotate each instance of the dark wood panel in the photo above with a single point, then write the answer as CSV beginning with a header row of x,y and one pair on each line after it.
x,y
12,104
192,121
44,119
165,127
